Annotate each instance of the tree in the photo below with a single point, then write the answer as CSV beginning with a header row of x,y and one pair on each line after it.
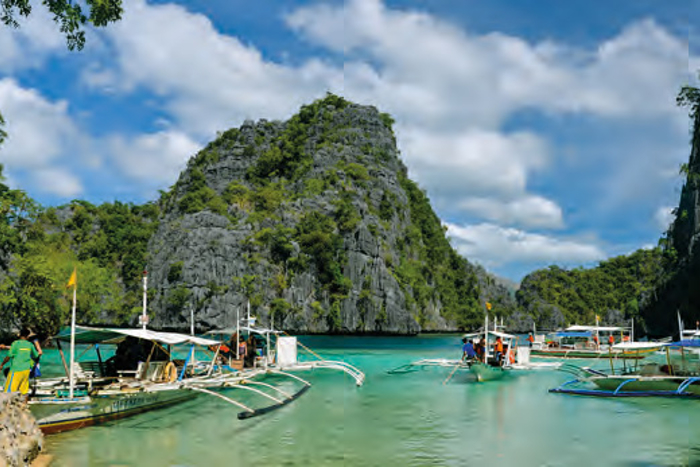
x,y
68,14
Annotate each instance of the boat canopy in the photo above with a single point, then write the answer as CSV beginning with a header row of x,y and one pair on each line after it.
x,y
624,346
574,334
578,327
502,335
249,329
684,343
90,335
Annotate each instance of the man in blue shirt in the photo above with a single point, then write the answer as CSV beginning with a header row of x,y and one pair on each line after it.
x,y
468,352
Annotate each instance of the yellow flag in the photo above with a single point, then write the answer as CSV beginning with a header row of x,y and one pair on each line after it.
x,y
488,306
73,281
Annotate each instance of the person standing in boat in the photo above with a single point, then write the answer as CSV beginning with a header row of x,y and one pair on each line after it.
x,y
251,351
611,340
498,349
468,352
23,355
530,339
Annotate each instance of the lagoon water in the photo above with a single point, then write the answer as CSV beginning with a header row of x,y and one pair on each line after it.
x,y
400,420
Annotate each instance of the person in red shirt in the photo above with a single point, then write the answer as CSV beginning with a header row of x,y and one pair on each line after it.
x,y
530,339
611,340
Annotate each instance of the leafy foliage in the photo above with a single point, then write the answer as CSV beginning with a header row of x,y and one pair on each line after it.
x,y
581,294
68,15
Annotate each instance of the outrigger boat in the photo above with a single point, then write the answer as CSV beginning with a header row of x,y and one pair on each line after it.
x,y
138,379
99,391
487,367
585,342
678,377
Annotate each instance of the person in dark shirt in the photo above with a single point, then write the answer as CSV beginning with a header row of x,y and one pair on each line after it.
x,y
468,352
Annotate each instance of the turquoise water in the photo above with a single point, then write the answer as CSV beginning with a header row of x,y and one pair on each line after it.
x,y
410,419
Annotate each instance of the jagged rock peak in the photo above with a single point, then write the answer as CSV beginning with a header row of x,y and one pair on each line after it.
x,y
316,224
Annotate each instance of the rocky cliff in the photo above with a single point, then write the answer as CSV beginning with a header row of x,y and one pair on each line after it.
x,y
315,222
679,288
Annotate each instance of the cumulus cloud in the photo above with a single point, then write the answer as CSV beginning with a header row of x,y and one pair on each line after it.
x,y
475,161
208,81
155,158
57,181
529,212
484,78
39,129
42,135
663,217
494,245
30,44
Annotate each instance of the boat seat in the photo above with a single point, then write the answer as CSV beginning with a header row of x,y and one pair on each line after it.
x,y
88,370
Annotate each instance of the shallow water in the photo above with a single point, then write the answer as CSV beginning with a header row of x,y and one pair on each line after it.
x,y
409,419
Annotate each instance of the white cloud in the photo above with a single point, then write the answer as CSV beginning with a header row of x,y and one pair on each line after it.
x,y
30,44
474,161
42,135
528,212
494,246
663,217
39,130
481,79
57,181
155,159
208,81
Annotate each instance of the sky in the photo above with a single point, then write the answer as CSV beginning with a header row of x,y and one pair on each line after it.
x,y
543,131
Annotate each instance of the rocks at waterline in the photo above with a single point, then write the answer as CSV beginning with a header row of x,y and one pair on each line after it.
x,y
21,439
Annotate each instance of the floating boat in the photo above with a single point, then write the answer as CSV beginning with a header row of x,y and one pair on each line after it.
x,y
580,342
99,391
678,377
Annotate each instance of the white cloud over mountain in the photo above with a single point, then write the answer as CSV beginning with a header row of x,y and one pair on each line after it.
x,y
494,246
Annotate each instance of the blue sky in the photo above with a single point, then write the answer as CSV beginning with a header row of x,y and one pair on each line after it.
x,y
545,132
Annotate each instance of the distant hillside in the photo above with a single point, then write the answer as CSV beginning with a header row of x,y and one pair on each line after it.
x,y
555,297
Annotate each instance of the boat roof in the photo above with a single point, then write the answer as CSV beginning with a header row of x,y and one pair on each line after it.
x,y
684,343
578,327
248,329
574,334
638,345
90,335
502,335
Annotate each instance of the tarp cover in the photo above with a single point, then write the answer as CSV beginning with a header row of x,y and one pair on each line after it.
x,y
502,335
89,335
247,329
685,343
578,327
638,346
286,351
574,334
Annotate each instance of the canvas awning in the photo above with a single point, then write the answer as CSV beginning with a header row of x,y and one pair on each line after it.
x,y
685,343
90,335
502,335
631,346
578,327
584,334
248,329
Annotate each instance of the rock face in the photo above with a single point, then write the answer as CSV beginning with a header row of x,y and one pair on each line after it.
x,y
315,222
679,288
21,440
